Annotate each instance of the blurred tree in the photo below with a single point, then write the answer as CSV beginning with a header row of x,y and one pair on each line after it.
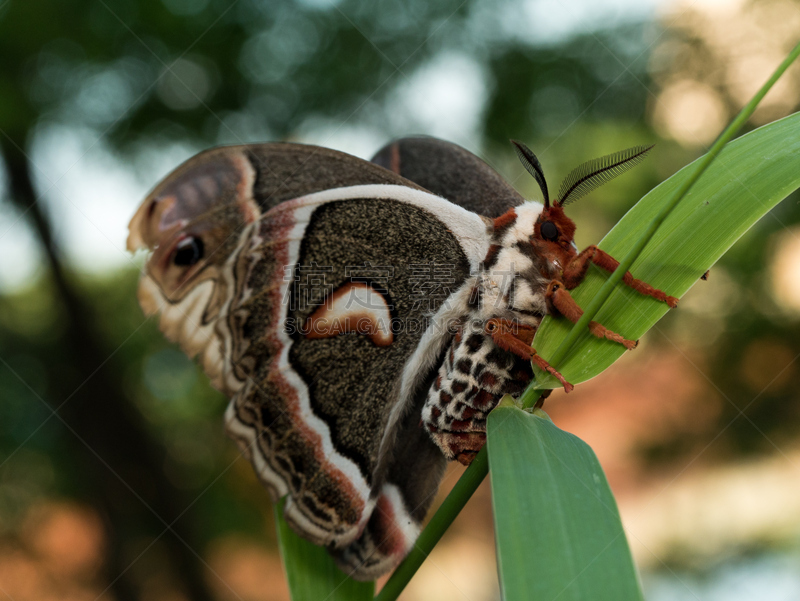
x,y
706,66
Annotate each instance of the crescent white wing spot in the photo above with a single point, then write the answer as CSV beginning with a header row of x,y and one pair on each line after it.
x,y
354,307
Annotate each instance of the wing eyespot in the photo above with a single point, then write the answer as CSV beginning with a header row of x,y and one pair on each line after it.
x,y
188,252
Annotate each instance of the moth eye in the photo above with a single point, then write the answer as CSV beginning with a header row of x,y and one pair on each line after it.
x,y
549,231
188,252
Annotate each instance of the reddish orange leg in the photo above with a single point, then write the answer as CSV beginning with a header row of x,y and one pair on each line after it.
x,y
551,370
575,271
561,300
517,338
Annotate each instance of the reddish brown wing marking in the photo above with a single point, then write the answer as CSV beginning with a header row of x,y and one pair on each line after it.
x,y
354,307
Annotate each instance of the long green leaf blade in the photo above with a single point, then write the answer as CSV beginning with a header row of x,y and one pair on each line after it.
x,y
311,572
751,176
558,531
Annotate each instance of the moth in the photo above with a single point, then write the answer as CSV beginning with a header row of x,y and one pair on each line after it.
x,y
363,317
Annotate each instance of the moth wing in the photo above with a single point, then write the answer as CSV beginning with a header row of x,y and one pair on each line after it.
x,y
450,171
332,417
215,197
288,234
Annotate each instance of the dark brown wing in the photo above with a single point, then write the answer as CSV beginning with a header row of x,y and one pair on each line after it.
x,y
450,171
330,421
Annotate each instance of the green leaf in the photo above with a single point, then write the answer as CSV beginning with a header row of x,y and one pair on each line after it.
x,y
558,530
750,176
311,572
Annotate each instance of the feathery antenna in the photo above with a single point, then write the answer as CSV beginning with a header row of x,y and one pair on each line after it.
x,y
532,165
593,174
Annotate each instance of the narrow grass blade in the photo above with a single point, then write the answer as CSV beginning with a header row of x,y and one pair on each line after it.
x,y
311,572
558,531
750,176
447,512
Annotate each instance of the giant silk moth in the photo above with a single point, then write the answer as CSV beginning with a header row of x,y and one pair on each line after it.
x,y
363,317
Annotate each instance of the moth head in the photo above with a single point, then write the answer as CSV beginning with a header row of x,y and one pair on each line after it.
x,y
554,228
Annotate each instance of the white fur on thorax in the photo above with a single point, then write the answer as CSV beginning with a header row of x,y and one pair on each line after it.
x,y
509,264
522,228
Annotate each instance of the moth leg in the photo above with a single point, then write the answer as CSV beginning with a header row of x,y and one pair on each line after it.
x,y
540,403
517,338
561,300
575,272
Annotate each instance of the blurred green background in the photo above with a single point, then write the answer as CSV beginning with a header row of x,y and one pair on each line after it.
x,y
116,480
